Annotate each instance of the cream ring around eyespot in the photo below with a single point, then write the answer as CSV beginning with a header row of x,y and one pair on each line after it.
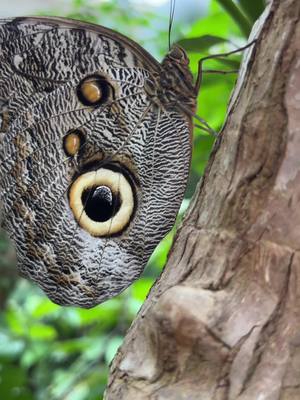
x,y
119,185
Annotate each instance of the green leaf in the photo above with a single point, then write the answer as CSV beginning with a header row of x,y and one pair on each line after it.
x,y
200,43
236,14
160,254
217,23
105,314
16,321
141,288
41,331
45,308
253,8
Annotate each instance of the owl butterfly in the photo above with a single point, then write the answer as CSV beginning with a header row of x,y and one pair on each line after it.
x,y
95,153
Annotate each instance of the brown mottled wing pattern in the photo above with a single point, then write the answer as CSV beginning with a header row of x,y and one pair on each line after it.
x,y
42,61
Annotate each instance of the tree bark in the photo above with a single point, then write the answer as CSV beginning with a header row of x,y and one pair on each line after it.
x,y
223,320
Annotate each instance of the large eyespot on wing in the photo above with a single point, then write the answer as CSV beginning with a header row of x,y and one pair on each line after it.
x,y
102,202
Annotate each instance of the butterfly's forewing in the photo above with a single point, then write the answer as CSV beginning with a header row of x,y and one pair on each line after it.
x,y
127,149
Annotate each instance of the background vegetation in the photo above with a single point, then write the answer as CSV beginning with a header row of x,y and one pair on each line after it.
x,y
50,352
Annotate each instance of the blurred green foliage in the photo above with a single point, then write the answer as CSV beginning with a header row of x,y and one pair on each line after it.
x,y
56,353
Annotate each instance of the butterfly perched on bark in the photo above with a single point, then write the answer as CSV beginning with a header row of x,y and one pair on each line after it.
x,y
95,139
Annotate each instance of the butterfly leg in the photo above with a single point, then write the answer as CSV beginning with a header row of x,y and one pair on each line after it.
x,y
213,56
204,126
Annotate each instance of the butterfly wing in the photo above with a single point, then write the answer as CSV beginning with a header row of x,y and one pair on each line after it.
x,y
93,170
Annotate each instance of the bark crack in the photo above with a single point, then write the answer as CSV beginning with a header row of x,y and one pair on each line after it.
x,y
269,329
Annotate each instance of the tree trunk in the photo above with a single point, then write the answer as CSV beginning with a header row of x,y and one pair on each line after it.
x,y
223,320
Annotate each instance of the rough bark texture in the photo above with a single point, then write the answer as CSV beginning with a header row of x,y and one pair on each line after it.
x,y
223,321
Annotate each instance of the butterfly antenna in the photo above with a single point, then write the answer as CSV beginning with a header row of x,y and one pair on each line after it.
x,y
171,19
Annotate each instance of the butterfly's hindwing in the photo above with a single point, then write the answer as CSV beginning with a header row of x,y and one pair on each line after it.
x,y
126,135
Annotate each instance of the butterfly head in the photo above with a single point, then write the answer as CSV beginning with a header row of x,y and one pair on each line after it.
x,y
178,55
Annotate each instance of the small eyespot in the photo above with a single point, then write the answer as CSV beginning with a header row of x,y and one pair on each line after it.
x,y
72,142
102,202
94,90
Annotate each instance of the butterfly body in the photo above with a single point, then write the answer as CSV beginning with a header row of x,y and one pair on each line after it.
x,y
95,148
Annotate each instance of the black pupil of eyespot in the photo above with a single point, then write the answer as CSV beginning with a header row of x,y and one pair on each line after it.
x,y
100,203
